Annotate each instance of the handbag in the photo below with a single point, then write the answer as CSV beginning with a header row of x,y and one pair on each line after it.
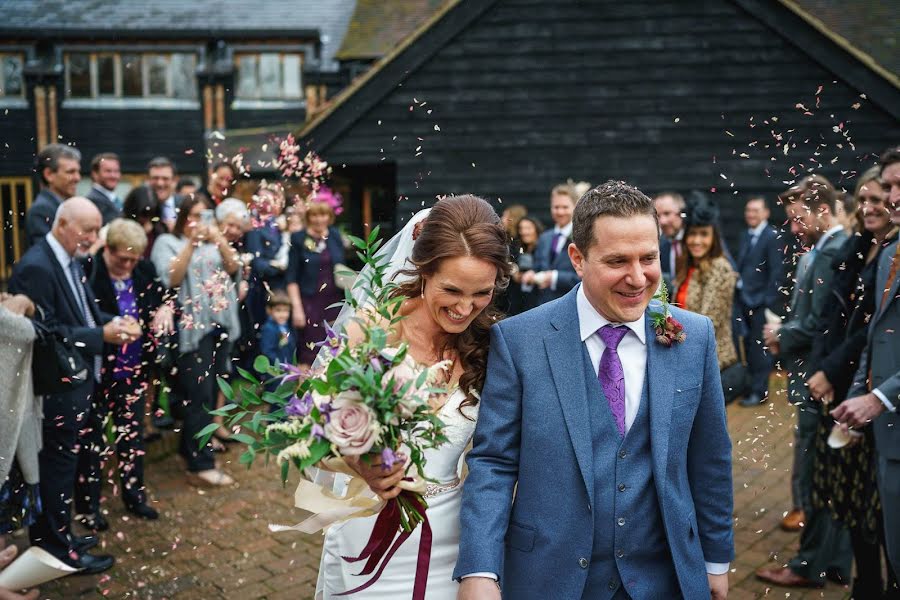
x,y
57,366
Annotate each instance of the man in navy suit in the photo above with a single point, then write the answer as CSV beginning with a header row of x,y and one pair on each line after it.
x,y
670,210
60,169
759,265
553,272
106,174
601,465
51,276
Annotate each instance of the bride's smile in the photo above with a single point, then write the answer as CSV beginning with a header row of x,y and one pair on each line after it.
x,y
458,291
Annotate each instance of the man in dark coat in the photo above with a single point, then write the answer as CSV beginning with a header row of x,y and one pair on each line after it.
x,y
60,169
106,174
759,263
51,276
553,272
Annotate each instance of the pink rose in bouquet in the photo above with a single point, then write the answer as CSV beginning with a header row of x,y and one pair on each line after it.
x,y
352,425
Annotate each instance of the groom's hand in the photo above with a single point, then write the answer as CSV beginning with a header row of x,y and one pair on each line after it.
x,y
478,588
718,586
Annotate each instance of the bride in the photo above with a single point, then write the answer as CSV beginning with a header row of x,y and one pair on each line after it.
x,y
450,260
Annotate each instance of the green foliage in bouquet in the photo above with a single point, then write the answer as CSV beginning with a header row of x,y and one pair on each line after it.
x,y
365,399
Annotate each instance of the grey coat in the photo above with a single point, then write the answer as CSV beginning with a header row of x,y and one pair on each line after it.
x,y
20,410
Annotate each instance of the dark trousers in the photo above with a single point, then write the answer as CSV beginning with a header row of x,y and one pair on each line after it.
x,y
759,361
124,400
197,373
58,461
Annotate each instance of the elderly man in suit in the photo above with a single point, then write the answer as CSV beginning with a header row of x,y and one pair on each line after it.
x,y
60,169
553,272
824,544
874,397
52,277
106,174
601,465
759,263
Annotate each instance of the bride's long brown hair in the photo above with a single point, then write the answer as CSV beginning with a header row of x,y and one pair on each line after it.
x,y
462,226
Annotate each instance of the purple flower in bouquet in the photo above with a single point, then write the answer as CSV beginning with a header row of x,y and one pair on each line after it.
x,y
292,372
388,459
299,406
317,431
333,341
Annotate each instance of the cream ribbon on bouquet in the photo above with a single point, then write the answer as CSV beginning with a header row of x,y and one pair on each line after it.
x,y
329,507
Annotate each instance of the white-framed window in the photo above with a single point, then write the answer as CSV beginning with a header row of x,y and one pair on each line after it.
x,y
269,76
12,83
131,75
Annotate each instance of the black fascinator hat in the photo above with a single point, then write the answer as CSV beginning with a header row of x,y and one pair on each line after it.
x,y
701,211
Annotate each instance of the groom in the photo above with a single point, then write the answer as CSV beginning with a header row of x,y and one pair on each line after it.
x,y
624,478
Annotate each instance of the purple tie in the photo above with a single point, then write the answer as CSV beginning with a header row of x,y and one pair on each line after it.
x,y
553,251
611,374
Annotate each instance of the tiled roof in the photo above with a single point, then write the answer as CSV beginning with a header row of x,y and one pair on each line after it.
x,y
173,17
378,26
868,25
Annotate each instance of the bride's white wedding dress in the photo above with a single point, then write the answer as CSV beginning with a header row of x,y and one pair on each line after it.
x,y
443,465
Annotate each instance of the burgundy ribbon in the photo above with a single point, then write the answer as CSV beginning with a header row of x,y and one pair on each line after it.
x,y
379,550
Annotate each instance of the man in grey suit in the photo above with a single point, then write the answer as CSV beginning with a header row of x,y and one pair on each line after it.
x,y
553,272
60,169
601,466
106,173
824,545
875,394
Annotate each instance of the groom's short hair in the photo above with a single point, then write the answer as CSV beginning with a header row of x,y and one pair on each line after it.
x,y
613,199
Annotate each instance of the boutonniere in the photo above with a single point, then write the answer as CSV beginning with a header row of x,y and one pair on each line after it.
x,y
314,246
667,328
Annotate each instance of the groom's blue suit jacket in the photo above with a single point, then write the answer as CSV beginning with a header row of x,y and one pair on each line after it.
x,y
557,536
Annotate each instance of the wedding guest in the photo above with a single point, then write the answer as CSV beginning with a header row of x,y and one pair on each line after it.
x,y
162,178
670,210
704,280
142,206
554,274
844,480
106,174
311,285
759,265
510,218
51,276
874,396
523,296
60,169
20,427
263,243
125,285
278,342
825,545
219,181
197,261
185,187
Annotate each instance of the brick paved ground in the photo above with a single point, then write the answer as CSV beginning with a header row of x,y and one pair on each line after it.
x,y
215,544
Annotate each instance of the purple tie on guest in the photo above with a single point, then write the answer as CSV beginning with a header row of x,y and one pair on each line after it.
x,y
611,373
554,251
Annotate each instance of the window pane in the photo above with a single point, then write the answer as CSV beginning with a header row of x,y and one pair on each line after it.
x,y
184,83
158,71
80,76
106,75
292,87
131,75
269,76
12,76
247,86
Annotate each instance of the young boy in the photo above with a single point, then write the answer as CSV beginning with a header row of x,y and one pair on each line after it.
x,y
277,340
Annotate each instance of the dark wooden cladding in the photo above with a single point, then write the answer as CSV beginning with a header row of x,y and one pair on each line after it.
x,y
17,141
664,94
241,118
136,136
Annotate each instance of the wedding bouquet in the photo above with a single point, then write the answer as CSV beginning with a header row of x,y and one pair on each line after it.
x,y
365,399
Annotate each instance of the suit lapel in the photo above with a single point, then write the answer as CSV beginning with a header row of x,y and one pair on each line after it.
x,y
885,267
562,346
661,388
62,282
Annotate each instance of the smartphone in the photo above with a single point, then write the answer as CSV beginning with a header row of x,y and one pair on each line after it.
x,y
208,217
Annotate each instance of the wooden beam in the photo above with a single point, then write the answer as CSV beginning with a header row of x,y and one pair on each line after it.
x,y
220,107
52,126
207,107
40,115
367,210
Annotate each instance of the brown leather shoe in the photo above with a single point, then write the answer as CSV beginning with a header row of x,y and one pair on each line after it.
x,y
794,521
784,577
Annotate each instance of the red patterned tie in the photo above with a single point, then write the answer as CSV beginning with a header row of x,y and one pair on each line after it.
x,y
892,276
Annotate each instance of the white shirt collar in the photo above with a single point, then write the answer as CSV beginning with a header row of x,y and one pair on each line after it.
x,y
824,239
589,320
59,252
759,228
680,235
109,194
566,231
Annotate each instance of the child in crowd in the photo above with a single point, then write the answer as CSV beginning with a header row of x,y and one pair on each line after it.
x,y
277,340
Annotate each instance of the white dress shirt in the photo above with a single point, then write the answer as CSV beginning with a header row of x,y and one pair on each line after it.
x,y
169,212
64,260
